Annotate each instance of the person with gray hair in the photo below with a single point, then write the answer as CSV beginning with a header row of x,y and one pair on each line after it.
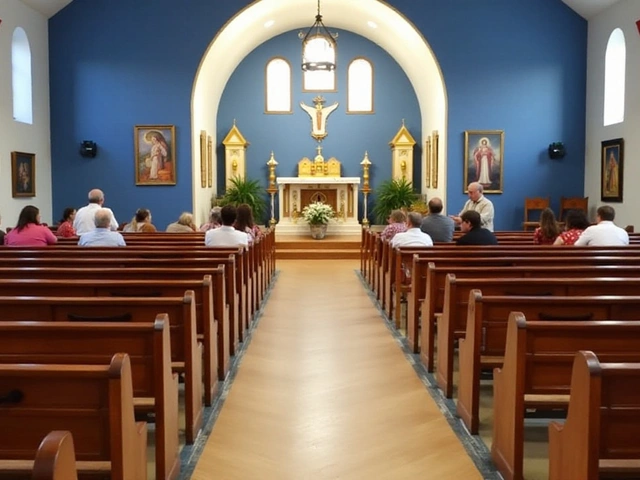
x,y
102,235
438,226
413,237
215,220
84,221
477,203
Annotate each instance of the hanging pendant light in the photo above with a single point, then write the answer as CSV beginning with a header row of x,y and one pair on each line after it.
x,y
318,47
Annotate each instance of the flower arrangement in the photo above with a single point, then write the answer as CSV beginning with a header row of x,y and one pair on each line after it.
x,y
318,213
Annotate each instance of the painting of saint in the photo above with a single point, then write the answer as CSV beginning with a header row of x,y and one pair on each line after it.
x,y
612,175
155,155
23,174
483,159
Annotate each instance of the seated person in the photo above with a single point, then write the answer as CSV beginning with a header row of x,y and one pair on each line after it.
x,y
575,224
183,225
397,224
438,226
548,230
214,220
413,237
244,222
474,234
2,233
141,222
605,233
226,235
29,232
65,229
102,236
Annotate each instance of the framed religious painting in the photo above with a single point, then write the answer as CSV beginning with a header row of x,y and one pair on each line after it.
x,y
23,174
155,154
611,175
484,159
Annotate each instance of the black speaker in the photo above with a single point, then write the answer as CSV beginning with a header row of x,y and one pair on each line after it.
x,y
557,150
88,149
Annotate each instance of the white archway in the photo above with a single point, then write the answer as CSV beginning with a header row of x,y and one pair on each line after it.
x,y
265,19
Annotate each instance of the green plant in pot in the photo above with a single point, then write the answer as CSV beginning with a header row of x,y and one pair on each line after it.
x,y
393,195
243,190
318,215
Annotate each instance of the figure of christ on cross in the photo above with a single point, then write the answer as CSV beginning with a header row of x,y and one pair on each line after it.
x,y
318,116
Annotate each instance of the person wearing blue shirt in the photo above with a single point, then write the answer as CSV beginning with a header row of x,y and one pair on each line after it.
x,y
102,236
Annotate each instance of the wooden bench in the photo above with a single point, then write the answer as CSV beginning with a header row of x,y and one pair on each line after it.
x,y
95,405
452,324
186,353
155,388
207,325
436,275
55,458
537,374
484,344
600,437
226,336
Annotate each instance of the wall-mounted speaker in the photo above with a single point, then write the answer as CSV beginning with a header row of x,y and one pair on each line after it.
x,y
88,149
557,150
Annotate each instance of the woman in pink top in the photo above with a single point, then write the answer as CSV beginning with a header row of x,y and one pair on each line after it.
x,y
29,232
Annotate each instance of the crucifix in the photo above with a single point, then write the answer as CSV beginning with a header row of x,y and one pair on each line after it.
x,y
318,115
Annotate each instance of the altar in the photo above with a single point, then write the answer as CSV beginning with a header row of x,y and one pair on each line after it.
x,y
318,181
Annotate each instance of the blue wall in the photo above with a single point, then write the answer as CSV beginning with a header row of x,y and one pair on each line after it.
x,y
515,66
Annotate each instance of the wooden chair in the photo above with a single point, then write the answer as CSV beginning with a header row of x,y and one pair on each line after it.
x,y
532,205
573,203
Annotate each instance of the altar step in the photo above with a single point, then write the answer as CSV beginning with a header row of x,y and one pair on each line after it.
x,y
326,249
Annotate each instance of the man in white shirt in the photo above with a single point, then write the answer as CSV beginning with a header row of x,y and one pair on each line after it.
x,y
413,237
605,233
226,235
478,203
85,217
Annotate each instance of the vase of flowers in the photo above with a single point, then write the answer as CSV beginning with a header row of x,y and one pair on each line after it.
x,y
317,215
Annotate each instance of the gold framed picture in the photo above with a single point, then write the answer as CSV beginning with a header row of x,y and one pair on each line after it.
x,y
155,154
483,159
23,174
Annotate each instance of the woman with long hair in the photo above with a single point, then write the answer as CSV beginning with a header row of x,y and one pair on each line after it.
x,y
548,230
65,229
29,232
245,223
141,222
576,223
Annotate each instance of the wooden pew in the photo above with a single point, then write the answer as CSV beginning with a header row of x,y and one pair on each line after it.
x,y
221,311
484,344
436,275
186,353
95,405
452,323
155,388
537,374
599,438
207,324
55,458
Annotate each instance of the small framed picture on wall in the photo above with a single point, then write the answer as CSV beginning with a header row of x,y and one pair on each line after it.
x,y
611,175
23,174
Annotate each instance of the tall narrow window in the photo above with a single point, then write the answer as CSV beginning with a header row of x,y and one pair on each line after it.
x,y
614,78
360,86
21,77
319,81
278,86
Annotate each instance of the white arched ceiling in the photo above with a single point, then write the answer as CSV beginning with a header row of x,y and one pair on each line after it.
x,y
265,19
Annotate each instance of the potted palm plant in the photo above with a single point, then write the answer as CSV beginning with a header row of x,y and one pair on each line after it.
x,y
318,215
393,195
243,190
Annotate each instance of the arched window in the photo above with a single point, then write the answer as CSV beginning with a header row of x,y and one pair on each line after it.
x,y
360,86
614,78
319,81
278,86
21,77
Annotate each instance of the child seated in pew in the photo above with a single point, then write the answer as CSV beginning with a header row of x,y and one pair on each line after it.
x,y
141,222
